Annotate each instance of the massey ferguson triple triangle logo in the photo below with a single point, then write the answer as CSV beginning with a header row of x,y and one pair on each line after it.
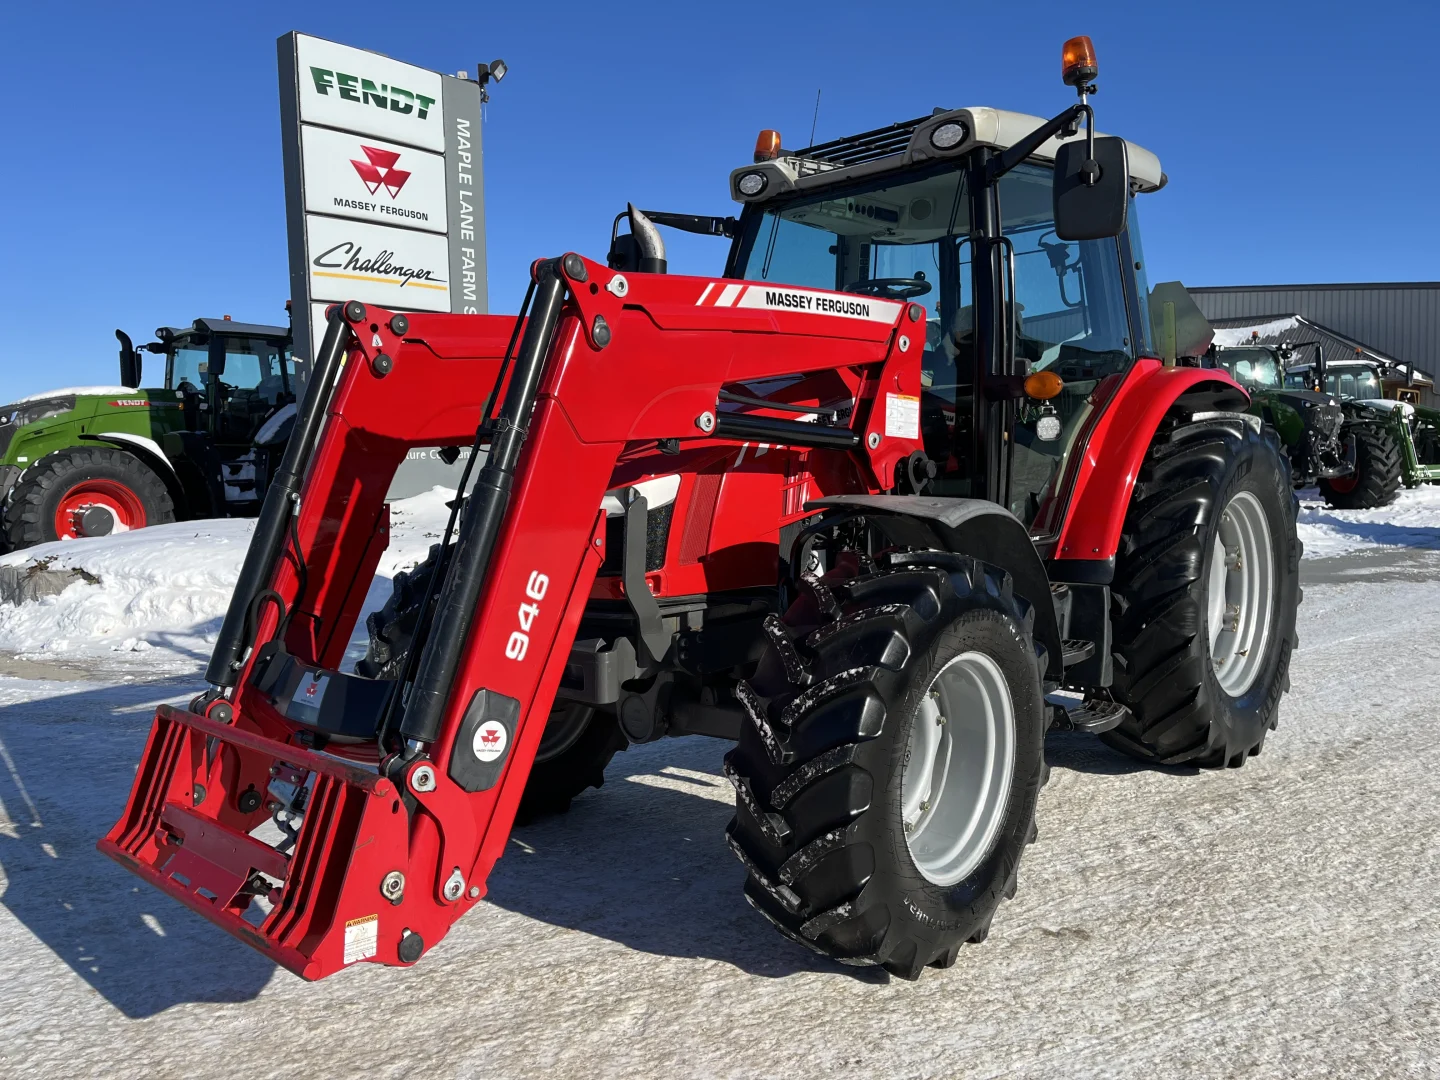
x,y
380,170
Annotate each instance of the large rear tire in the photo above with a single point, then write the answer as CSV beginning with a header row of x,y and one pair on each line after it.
x,y
875,828
84,491
1376,479
1205,593
578,742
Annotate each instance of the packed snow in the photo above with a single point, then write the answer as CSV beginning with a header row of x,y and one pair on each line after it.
x,y
1277,920
78,391
1411,521
1240,335
163,591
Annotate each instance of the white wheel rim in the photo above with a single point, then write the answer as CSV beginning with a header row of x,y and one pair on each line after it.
x,y
958,767
1241,594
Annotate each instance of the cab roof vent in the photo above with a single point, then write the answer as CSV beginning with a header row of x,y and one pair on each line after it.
x,y
867,146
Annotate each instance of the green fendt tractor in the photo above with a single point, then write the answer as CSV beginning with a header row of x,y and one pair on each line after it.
x,y
1347,450
93,460
1362,385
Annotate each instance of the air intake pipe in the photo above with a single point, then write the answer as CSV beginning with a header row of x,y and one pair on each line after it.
x,y
647,241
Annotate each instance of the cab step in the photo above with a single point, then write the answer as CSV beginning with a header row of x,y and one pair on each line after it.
x,y
1094,715
1075,650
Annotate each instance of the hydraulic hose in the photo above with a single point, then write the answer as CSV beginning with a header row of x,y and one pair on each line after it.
x,y
280,503
465,577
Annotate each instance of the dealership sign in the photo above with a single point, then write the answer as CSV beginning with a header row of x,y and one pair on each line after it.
x,y
383,184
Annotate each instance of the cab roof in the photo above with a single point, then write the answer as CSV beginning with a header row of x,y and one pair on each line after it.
x,y
908,143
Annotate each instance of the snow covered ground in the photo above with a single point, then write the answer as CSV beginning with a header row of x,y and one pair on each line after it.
x,y
1278,920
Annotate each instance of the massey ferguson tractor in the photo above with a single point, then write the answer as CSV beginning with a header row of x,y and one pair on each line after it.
x,y
902,490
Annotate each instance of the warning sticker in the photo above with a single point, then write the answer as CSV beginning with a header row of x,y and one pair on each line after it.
x,y
902,416
361,938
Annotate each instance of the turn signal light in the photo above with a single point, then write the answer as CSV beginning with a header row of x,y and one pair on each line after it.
x,y
1077,61
767,145
1044,385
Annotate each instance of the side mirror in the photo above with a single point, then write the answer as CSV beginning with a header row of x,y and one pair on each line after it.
x,y
1091,211
129,361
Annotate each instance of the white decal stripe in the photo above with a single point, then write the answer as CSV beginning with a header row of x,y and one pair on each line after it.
x,y
727,295
704,294
835,305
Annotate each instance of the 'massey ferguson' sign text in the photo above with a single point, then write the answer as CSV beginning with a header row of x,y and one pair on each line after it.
x,y
372,179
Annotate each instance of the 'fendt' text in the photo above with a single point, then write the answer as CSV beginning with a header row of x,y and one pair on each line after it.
x,y
365,92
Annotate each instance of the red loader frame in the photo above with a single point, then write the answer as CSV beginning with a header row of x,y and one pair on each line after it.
x,y
392,851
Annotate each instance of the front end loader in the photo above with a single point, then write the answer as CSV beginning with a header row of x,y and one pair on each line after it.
x,y
882,547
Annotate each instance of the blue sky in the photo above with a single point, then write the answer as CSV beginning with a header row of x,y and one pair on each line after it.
x,y
143,184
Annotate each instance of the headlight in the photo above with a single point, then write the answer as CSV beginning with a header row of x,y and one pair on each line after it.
x,y
1047,428
948,136
752,183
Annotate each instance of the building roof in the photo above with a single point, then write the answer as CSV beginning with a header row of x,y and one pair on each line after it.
x,y
1278,329
1400,319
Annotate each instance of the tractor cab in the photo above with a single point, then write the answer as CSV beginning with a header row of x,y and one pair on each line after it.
x,y
963,212
1353,380
222,412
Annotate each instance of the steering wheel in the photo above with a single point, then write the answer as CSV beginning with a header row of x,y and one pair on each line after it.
x,y
892,288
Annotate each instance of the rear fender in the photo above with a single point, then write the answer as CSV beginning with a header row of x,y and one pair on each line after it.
x,y
1107,463
975,527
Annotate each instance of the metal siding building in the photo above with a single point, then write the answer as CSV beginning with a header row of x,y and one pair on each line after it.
x,y
1400,318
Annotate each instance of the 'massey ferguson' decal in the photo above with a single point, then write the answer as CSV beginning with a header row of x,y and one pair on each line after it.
x,y
786,299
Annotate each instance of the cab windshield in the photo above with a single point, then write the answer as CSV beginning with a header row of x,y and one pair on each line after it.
x,y
1253,368
910,239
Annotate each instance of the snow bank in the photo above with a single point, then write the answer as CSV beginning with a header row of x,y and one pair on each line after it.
x,y
78,391
163,591
1240,335
1412,520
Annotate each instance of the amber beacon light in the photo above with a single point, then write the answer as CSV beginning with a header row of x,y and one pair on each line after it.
x,y
767,145
1077,61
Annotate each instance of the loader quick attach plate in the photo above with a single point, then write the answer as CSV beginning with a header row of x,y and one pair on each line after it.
x,y
314,909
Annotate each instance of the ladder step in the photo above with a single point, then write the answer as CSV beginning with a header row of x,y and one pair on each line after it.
x,y
1074,650
1096,716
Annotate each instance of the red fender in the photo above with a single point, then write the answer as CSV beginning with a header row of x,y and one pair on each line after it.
x,y
1114,452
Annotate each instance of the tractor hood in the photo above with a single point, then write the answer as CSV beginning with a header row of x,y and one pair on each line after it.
x,y
1305,399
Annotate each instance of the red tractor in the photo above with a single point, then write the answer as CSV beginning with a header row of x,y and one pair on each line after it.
x,y
884,547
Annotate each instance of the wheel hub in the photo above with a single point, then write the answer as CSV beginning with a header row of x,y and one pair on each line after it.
x,y
958,767
98,507
1241,594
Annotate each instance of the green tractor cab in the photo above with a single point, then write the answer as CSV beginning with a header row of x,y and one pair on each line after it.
x,y
201,442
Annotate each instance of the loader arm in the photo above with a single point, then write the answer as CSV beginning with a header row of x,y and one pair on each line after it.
x,y
399,797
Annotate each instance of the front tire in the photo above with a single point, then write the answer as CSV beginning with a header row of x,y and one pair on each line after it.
x,y
1205,594
1376,479
857,841
84,491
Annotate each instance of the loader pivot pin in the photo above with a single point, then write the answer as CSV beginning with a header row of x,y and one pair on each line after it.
x,y
423,779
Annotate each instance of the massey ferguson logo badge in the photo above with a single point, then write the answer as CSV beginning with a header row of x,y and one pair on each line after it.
x,y
380,171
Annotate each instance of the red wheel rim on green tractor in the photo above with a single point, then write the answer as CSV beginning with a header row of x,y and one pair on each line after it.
x,y
1344,484
98,507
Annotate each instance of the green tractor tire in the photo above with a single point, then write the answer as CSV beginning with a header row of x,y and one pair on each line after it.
x,y
1376,479
84,491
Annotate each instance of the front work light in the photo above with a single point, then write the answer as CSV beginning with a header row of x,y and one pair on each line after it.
x,y
767,146
948,136
1077,61
752,183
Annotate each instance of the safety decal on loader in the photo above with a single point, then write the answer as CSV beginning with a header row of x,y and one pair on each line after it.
x,y
362,938
787,299
902,416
